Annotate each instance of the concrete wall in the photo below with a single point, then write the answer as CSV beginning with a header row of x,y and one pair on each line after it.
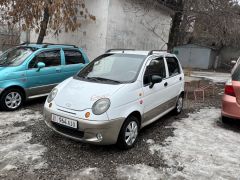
x,y
91,36
195,56
116,27
227,54
128,28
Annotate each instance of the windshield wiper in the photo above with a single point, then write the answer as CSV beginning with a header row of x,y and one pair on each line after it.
x,y
106,79
88,78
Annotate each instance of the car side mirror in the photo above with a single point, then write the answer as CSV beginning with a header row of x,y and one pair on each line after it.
x,y
155,79
233,62
40,65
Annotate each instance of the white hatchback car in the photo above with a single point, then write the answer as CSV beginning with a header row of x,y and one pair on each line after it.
x,y
116,95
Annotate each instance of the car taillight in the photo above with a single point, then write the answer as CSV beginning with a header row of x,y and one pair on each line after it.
x,y
229,90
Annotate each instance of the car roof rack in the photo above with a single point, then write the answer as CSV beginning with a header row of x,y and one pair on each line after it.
x,y
151,52
25,43
45,45
110,50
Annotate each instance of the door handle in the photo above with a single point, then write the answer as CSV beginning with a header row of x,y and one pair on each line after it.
x,y
58,70
165,84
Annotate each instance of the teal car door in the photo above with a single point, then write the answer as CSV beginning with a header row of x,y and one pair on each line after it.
x,y
74,61
41,81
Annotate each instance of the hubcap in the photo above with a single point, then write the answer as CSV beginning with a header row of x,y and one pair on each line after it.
x,y
180,104
13,100
131,133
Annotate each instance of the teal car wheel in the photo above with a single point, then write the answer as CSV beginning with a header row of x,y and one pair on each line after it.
x,y
11,99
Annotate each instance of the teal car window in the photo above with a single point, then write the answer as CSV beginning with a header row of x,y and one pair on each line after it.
x,y
15,56
73,57
49,58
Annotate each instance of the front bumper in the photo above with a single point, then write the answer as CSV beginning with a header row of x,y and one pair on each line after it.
x,y
230,107
87,130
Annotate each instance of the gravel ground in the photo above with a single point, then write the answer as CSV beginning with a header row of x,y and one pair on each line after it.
x,y
66,159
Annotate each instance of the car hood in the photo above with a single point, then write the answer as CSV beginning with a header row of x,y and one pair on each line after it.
x,y
81,95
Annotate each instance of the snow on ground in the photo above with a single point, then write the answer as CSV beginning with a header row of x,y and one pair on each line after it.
x,y
86,174
213,76
15,149
138,172
201,148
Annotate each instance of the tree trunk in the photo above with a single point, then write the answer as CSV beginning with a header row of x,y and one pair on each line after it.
x,y
175,33
44,25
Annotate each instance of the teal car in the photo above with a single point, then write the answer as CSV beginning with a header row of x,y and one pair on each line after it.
x,y
32,70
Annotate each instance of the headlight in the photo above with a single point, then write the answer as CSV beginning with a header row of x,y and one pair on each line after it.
x,y
52,95
101,106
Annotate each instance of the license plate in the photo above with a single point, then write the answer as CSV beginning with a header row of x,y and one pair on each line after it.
x,y
64,121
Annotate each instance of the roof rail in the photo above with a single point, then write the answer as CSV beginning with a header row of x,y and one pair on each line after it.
x,y
45,45
108,51
25,43
151,52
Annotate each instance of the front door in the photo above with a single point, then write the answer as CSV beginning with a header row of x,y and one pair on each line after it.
x,y
41,81
155,97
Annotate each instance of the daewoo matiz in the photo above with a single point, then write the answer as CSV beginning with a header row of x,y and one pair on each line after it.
x,y
32,70
116,95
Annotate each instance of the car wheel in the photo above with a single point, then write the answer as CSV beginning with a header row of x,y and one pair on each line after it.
x,y
226,120
179,106
129,133
11,99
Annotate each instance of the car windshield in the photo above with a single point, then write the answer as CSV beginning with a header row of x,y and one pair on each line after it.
x,y
15,56
113,68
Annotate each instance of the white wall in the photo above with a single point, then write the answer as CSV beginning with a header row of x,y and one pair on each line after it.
x,y
128,28
115,27
91,36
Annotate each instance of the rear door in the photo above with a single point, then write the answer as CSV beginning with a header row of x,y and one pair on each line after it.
x,y
73,62
236,82
175,78
43,80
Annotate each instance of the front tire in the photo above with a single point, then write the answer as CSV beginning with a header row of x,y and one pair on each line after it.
x,y
11,99
129,133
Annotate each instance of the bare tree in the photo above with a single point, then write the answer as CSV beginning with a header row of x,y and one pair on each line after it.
x,y
45,14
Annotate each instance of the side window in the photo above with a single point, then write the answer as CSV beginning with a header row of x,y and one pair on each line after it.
x,y
73,57
173,66
50,58
156,67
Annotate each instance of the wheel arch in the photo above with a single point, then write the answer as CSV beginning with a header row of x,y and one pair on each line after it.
x,y
15,87
136,114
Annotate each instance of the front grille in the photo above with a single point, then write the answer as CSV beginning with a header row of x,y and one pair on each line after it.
x,y
68,131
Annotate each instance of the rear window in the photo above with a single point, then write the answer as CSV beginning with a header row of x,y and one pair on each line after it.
x,y
236,74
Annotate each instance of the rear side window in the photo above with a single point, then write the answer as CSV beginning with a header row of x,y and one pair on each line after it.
x,y
156,67
50,58
173,66
236,74
73,57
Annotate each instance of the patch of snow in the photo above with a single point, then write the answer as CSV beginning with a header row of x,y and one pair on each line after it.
x,y
200,148
150,141
9,167
138,172
86,174
15,148
212,76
